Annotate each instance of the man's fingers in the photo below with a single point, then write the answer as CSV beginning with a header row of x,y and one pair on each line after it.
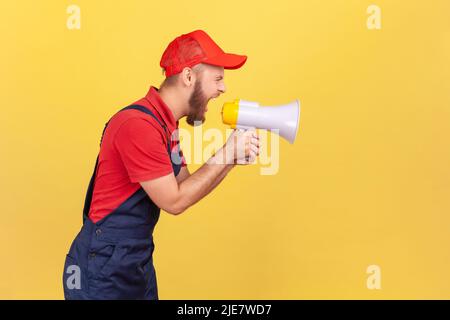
x,y
255,142
254,149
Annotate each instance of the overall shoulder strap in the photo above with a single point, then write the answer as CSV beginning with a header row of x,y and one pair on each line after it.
x,y
90,191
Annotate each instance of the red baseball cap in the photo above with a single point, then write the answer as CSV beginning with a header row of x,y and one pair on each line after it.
x,y
197,47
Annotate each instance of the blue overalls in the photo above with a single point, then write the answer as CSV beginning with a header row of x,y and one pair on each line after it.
x,y
113,257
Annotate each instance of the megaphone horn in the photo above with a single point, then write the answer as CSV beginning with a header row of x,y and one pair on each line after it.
x,y
248,114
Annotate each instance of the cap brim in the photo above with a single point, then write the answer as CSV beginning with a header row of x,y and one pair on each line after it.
x,y
227,60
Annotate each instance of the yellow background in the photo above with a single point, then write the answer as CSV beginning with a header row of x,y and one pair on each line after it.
x,y
367,181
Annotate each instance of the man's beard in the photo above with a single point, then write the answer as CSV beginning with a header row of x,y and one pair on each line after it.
x,y
197,105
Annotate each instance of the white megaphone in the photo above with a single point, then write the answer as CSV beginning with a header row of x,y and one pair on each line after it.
x,y
242,114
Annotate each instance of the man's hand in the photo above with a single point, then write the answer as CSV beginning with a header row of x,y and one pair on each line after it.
x,y
242,147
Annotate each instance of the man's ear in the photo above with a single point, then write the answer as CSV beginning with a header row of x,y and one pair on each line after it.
x,y
187,76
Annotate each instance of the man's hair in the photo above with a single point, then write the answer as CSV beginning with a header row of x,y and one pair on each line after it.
x,y
172,80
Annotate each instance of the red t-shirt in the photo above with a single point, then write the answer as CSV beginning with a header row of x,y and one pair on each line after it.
x,y
134,149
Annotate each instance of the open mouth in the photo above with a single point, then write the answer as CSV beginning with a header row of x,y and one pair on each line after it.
x,y
207,102
211,98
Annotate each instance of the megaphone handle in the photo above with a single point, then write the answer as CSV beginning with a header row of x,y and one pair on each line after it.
x,y
245,128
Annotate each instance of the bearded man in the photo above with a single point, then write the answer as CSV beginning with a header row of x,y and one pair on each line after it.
x,y
140,169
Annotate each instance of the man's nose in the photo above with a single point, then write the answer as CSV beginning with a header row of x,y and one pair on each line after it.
x,y
222,89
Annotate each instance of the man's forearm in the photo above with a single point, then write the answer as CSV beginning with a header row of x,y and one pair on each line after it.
x,y
204,180
222,175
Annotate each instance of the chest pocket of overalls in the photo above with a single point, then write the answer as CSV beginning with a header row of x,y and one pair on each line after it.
x,y
175,158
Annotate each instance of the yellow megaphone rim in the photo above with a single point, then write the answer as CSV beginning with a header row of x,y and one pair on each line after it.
x,y
230,111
